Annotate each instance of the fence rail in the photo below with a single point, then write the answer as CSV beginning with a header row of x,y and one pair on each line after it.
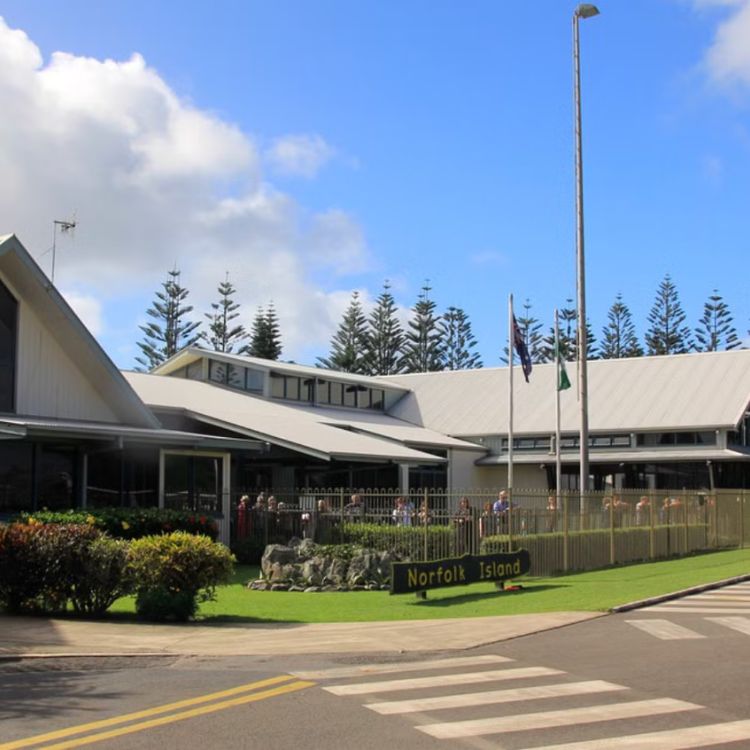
x,y
563,532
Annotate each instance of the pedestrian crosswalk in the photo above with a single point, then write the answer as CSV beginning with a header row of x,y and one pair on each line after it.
x,y
733,603
524,705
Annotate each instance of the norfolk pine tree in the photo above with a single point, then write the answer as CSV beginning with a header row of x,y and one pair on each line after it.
x,y
169,331
385,337
458,341
667,334
568,337
423,347
265,339
222,336
349,343
618,336
715,330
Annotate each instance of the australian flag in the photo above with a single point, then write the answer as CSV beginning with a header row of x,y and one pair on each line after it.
x,y
521,349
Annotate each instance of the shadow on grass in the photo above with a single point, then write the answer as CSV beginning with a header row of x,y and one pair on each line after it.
x,y
448,601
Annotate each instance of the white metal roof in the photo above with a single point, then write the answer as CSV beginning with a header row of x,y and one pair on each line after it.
x,y
191,354
36,426
271,420
678,392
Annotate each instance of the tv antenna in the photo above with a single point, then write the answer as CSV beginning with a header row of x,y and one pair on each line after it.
x,y
65,226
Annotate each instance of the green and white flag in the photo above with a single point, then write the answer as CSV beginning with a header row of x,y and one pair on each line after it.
x,y
563,381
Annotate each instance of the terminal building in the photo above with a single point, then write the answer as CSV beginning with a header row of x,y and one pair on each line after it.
x,y
204,426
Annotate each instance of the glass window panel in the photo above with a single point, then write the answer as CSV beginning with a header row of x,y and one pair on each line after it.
x,y
277,385
15,476
337,394
363,397
56,477
350,395
323,392
292,388
217,371
378,399
195,370
236,376
254,381
685,438
8,332
706,438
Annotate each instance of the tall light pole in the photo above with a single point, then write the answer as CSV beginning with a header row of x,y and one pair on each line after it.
x,y
582,11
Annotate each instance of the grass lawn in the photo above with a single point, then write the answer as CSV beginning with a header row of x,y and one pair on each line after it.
x,y
594,591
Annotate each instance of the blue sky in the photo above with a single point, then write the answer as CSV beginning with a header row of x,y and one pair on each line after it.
x,y
312,148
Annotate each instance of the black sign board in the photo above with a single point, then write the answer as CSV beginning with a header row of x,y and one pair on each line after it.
x,y
408,577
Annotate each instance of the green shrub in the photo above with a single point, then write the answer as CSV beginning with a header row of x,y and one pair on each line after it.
x,y
161,605
170,567
104,575
41,566
22,568
130,523
406,541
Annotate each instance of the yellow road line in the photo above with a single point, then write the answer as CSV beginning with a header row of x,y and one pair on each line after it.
x,y
80,728
151,723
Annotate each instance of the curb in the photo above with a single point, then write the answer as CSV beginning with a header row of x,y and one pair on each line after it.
x,y
679,594
82,655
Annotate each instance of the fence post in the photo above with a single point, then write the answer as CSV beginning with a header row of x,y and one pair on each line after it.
x,y
742,520
612,530
651,550
426,512
566,536
687,525
510,520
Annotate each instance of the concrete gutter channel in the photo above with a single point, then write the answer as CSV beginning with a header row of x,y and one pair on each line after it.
x,y
35,638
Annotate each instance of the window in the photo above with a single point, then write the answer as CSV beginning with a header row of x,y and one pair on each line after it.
x,y
277,385
337,394
195,370
323,392
378,399
8,335
236,376
254,381
651,439
217,371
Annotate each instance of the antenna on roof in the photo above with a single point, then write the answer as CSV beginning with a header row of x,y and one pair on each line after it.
x,y
65,226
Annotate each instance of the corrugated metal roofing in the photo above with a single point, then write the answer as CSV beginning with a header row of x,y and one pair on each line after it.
x,y
185,356
660,455
679,392
300,429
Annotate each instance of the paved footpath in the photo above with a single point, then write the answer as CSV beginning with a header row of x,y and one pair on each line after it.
x,y
35,636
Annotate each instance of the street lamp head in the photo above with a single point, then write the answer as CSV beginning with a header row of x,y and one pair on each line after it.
x,y
586,10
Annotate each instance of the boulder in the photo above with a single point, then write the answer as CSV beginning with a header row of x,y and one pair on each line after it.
x,y
276,553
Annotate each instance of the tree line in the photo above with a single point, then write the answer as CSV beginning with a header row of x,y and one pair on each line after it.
x,y
172,329
378,344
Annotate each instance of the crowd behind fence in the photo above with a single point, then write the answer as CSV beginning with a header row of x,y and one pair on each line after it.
x,y
562,532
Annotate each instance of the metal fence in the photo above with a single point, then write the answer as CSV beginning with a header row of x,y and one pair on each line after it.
x,y
563,532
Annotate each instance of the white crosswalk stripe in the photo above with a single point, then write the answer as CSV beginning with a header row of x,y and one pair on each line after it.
x,y
495,696
466,678
597,696
707,735
547,719
689,609
664,629
362,670
740,624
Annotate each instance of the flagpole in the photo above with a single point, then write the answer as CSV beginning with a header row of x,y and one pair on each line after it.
x,y
511,347
558,457
510,397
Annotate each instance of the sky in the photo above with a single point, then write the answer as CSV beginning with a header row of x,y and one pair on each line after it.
x,y
311,148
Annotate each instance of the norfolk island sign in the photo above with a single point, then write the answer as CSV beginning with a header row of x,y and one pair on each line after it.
x,y
408,577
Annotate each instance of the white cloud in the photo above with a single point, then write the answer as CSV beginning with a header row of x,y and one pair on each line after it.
x,y
88,309
299,155
156,181
728,58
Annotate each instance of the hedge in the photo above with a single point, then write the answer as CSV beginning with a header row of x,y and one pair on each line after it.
x,y
408,541
130,523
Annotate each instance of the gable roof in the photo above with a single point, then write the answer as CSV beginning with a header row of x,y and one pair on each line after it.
x,y
303,430
65,326
700,391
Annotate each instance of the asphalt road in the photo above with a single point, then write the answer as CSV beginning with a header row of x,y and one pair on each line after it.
x,y
670,676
